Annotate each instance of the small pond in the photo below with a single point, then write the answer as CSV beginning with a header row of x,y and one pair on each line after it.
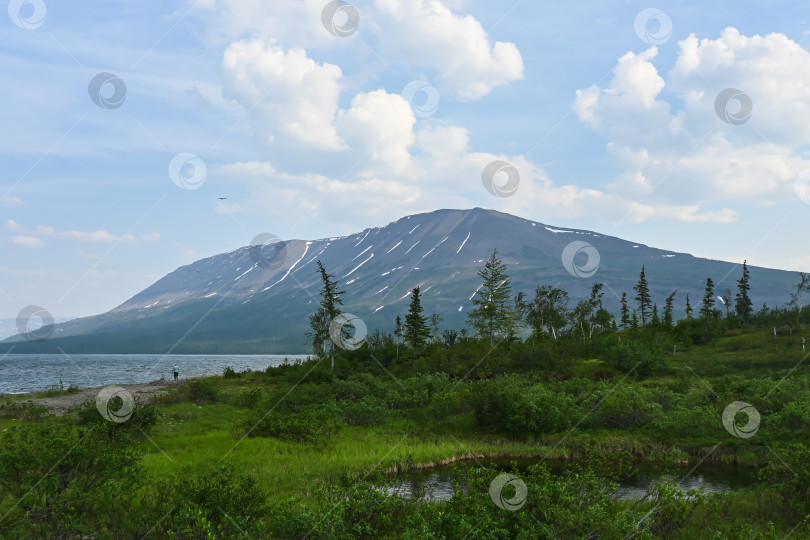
x,y
436,484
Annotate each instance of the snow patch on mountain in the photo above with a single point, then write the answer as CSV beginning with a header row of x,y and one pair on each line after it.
x,y
358,266
464,242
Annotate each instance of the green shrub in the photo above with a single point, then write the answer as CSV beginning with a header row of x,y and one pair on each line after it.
x,y
249,398
635,356
23,410
309,424
229,373
201,391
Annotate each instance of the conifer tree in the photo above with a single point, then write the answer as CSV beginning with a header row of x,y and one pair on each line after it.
x,y
634,320
328,309
743,305
707,307
625,320
655,321
417,331
689,309
668,307
643,296
493,314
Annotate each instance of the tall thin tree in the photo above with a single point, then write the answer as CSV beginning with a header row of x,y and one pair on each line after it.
x,y
643,296
668,307
494,314
743,304
328,309
417,331
707,307
625,313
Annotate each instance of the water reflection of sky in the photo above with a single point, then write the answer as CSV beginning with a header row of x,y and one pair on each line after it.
x,y
35,372
437,486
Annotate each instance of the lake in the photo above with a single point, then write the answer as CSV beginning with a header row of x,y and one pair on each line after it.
x,y
436,484
35,372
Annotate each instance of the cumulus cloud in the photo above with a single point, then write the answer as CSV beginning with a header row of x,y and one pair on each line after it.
x,y
674,147
427,33
288,93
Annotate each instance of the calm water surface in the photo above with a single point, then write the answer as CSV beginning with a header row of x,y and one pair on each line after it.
x,y
436,485
35,372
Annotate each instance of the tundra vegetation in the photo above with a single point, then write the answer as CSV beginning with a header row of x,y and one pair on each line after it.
x,y
302,450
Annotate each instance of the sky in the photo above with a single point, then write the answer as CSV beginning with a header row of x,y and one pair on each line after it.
x,y
138,137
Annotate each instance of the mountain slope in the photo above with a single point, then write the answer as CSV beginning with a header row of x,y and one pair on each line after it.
x,y
252,300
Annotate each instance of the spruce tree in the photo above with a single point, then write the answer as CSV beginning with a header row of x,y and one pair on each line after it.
x,y
689,309
743,305
643,296
707,307
493,314
625,312
655,321
328,309
634,320
417,331
668,307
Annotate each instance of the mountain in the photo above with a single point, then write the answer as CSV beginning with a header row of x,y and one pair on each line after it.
x,y
257,300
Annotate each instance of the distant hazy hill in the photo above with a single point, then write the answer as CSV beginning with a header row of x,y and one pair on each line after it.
x,y
228,303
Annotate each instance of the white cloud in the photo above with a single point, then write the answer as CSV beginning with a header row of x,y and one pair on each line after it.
x,y
426,33
683,156
10,202
289,94
34,237
28,242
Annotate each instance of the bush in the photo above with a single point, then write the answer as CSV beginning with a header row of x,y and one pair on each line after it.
x,y
217,504
310,424
23,410
201,391
249,398
635,356
511,405
229,373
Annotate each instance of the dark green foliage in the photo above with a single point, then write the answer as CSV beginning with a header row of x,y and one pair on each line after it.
x,y
635,356
249,398
668,307
327,311
217,504
643,297
201,391
625,312
416,327
512,405
493,315
22,410
707,307
229,373
306,424
63,480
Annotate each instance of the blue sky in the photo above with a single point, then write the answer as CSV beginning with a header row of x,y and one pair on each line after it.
x,y
608,115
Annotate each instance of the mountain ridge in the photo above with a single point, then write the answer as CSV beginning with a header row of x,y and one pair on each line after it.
x,y
257,299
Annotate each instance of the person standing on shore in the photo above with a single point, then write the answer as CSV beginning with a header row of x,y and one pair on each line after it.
x,y
176,371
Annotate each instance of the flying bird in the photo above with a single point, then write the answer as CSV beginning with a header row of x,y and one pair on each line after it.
x,y
222,198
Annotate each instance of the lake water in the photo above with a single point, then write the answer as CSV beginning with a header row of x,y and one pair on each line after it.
x,y
436,485
36,372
